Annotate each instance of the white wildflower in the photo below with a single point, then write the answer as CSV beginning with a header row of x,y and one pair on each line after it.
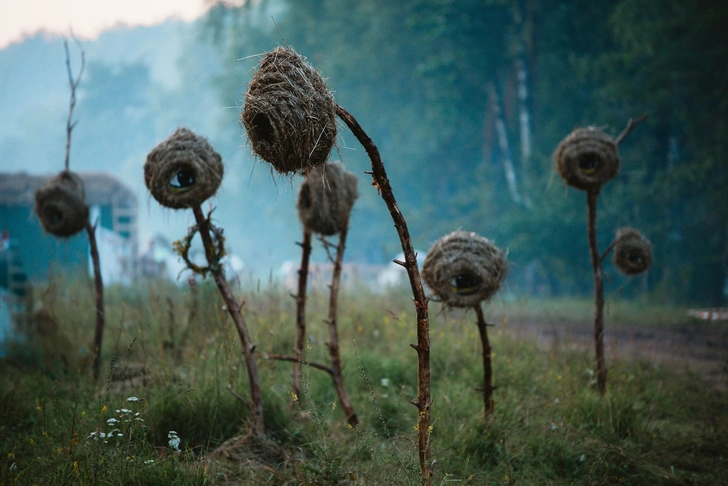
x,y
384,381
132,399
174,441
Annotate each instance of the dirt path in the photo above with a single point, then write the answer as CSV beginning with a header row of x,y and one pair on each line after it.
x,y
696,345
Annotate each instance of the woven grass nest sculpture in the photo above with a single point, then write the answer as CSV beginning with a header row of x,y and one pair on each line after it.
x,y
61,206
632,251
326,197
183,171
587,158
464,269
289,113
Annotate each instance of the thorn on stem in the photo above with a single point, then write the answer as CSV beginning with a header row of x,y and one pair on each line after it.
x,y
400,262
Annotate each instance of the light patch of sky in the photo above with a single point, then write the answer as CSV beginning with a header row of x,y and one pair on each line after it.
x,y
88,18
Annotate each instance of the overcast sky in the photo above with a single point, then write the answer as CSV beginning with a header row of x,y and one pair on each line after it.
x,y
87,18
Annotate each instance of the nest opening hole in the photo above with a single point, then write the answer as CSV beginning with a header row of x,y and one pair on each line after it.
x,y
634,257
263,128
183,179
53,215
466,284
589,163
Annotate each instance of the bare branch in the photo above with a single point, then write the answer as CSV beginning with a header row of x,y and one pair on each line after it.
x,y
74,85
293,359
631,124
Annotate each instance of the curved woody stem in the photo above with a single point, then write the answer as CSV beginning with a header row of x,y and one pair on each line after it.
x,y
301,311
487,388
596,261
99,290
333,343
256,397
424,400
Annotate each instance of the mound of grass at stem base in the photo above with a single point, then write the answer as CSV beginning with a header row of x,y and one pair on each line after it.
x,y
656,425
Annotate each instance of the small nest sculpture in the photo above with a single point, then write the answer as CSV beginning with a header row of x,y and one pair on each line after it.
x,y
61,206
326,197
183,171
464,269
587,158
289,113
632,252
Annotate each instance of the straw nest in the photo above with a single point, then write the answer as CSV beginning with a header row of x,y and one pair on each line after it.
x,y
326,197
632,251
289,113
61,205
464,269
587,158
183,171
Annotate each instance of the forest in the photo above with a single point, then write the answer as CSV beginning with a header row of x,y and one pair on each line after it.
x,y
433,82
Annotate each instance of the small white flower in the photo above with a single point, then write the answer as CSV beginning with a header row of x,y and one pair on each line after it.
x,y
174,441
111,421
384,381
136,414
125,410
554,426
132,399
582,458
149,461
139,419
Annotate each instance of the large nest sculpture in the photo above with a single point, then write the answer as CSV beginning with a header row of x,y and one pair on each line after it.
x,y
326,197
632,251
61,206
464,269
183,171
587,158
289,113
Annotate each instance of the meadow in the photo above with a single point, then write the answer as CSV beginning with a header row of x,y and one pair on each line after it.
x,y
170,406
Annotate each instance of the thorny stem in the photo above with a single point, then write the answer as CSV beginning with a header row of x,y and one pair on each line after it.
x,y
74,84
487,366
256,398
99,290
424,401
596,262
333,345
301,310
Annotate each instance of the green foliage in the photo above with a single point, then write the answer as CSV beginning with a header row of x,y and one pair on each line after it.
x,y
415,74
658,424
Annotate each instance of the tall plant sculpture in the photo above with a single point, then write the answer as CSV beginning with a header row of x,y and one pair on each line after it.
x,y
290,118
182,172
587,159
61,207
324,204
464,269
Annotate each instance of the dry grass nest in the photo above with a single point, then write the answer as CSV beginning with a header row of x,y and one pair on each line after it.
x,y
183,171
326,197
61,205
587,158
289,113
463,269
632,251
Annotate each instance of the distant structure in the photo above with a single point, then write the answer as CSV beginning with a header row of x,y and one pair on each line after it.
x,y
112,204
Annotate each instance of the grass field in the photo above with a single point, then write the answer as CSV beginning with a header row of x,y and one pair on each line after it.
x,y
166,410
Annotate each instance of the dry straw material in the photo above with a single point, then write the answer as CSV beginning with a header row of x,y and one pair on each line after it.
x,y
632,251
289,113
587,158
183,171
61,206
326,197
464,269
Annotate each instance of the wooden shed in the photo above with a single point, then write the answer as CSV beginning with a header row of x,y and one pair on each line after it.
x,y
40,254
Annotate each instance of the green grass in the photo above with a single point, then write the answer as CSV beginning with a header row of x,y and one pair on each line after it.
x,y
658,424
